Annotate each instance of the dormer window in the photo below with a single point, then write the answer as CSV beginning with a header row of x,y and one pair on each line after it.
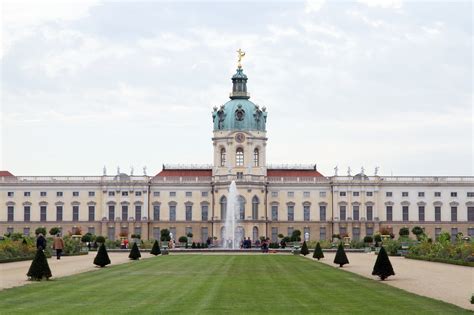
x,y
239,157
239,113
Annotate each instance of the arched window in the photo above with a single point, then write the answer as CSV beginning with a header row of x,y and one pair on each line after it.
x,y
256,157
241,208
255,233
222,157
255,203
223,203
239,157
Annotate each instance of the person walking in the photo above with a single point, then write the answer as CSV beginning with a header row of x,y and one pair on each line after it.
x,y
40,242
58,245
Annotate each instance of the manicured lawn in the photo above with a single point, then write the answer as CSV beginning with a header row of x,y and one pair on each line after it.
x,y
198,284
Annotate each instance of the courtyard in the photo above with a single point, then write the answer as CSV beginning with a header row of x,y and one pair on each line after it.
x,y
199,284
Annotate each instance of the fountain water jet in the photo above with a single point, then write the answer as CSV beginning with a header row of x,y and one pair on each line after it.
x,y
233,207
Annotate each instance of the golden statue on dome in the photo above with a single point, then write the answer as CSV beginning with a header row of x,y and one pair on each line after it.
x,y
240,54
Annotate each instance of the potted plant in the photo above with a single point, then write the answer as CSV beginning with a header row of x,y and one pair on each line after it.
x,y
183,240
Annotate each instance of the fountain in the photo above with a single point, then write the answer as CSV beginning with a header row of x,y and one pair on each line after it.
x,y
231,217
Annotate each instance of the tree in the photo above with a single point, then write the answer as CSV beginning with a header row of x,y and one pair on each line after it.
x,y
404,232
183,239
165,235
190,234
341,258
295,236
155,250
304,249
100,239
368,239
418,231
383,268
135,252
86,238
102,258
39,268
54,230
318,252
41,230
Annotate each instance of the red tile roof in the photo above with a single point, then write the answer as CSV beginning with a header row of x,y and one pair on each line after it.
x,y
293,173
185,173
5,173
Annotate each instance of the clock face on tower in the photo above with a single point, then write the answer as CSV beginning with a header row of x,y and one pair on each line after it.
x,y
240,137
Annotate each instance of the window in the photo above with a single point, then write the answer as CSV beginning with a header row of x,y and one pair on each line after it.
x,y
355,213
241,207
138,230
342,193
223,203
322,213
274,193
470,194
274,234
204,234
223,157
75,194
172,213
437,214
204,194
306,194
189,194
454,194
43,212
204,212
437,194
291,212
255,203
156,194
59,194
322,233
124,193
189,213
405,213
369,230
274,213
43,193
239,157
389,213
470,214
91,193
405,194
240,175
290,230
342,213
26,231
138,212
343,231
369,194
388,194
10,230
26,194
156,212
111,233
111,193
421,194
454,233
172,193
26,213
75,213
370,213
454,214
59,213
111,212
156,233
356,233
470,232
10,211
437,233
355,193
10,194
124,213
138,193
322,194
421,213
91,216
306,213
256,157
291,194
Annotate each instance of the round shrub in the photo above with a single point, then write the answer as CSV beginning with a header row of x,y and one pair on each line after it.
x,y
183,239
100,239
368,239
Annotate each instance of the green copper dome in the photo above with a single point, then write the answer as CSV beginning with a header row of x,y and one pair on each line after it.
x,y
239,113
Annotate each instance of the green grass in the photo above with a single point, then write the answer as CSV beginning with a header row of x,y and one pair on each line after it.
x,y
198,284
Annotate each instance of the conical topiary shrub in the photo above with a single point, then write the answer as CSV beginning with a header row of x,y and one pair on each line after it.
x,y
304,249
135,252
155,249
102,258
39,268
193,245
341,258
383,268
318,252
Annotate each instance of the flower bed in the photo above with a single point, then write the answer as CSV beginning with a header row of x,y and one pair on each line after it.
x,y
442,260
459,252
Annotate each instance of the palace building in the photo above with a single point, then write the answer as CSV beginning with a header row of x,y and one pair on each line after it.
x,y
273,199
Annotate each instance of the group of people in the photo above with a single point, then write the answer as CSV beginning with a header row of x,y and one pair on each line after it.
x,y
58,244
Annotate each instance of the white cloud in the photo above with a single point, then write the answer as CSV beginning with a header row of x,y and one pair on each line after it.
x,y
386,4
314,5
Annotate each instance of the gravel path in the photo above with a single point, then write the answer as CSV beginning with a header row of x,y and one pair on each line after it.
x,y
445,282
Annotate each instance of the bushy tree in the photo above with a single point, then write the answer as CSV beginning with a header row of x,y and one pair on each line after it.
x,y
135,252
102,258
383,268
296,236
41,230
165,235
304,249
183,239
39,268
54,230
418,231
155,250
404,232
100,239
341,258
318,252
87,238
368,239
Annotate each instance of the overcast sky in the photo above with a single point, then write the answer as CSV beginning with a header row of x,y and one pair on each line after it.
x,y
367,83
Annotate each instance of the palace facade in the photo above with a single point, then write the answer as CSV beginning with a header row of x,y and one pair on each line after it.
x,y
273,199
